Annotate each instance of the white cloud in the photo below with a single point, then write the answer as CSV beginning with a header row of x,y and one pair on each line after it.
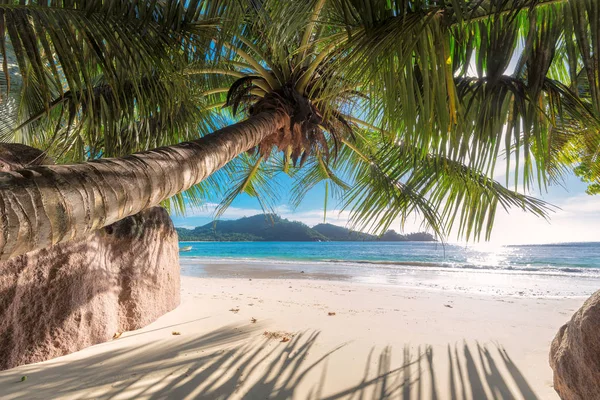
x,y
577,219
309,217
580,205
208,211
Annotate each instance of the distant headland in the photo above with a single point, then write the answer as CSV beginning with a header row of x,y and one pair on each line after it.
x,y
271,227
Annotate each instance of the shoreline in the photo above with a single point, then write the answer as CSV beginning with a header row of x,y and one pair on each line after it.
x,y
313,241
547,270
480,281
405,342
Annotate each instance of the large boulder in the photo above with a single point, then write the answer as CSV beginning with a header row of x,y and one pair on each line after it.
x,y
575,354
61,299
58,300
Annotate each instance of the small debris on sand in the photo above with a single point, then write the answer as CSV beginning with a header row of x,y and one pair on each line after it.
x,y
331,314
253,320
117,335
23,378
235,310
447,305
175,333
301,272
284,336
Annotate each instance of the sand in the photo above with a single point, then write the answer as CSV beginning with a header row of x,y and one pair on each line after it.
x,y
250,338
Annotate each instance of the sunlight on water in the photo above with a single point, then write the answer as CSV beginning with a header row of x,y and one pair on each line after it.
x,y
572,258
490,258
539,271
490,255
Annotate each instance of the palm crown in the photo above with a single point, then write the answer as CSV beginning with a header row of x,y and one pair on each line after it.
x,y
396,106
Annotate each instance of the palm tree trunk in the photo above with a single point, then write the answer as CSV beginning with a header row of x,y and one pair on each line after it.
x,y
44,205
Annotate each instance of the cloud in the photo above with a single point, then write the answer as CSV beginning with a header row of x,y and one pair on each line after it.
x,y
185,226
309,217
579,205
208,211
314,217
577,219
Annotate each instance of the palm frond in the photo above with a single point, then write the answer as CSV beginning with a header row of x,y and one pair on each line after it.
x,y
396,107
254,177
397,181
94,67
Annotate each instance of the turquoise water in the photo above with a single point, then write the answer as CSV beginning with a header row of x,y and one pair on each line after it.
x,y
562,258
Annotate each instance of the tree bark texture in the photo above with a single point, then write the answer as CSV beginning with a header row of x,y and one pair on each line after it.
x,y
48,204
60,299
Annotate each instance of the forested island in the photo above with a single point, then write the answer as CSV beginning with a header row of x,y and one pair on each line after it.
x,y
265,228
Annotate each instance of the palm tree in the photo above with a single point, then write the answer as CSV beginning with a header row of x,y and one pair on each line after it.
x,y
399,106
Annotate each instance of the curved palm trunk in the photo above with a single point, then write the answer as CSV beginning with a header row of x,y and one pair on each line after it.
x,y
45,205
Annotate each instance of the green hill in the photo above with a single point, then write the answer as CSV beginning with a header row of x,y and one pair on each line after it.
x,y
392,236
270,227
256,228
341,234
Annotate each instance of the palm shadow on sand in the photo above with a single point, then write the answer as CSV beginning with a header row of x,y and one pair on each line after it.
x,y
232,362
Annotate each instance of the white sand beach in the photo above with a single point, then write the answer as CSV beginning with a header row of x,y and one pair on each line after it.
x,y
255,338
305,200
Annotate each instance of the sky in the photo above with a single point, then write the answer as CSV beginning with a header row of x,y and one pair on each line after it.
x,y
576,217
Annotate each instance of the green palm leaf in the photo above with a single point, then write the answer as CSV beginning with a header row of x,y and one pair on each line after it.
x,y
417,99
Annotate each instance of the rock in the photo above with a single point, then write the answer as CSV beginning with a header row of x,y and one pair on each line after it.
x,y
575,354
61,299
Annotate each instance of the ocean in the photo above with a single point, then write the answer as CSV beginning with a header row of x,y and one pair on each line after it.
x,y
549,270
559,258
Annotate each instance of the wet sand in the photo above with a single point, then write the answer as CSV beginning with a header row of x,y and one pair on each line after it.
x,y
466,281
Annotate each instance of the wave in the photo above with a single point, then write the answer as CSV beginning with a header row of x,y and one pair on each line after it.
x,y
408,265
